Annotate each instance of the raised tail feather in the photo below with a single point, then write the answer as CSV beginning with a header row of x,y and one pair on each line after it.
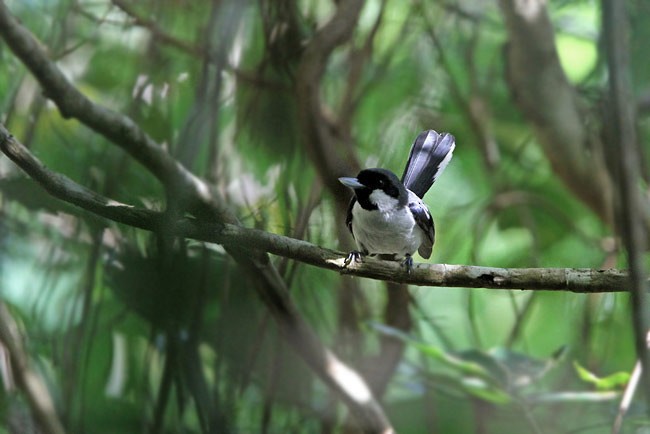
x,y
430,154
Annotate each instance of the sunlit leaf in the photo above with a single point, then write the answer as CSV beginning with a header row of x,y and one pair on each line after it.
x,y
613,381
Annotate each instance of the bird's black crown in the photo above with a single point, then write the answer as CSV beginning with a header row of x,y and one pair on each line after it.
x,y
380,179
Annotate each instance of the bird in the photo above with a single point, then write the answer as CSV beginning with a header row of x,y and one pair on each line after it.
x,y
386,215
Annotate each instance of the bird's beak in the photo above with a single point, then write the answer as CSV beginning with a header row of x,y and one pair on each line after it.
x,y
351,182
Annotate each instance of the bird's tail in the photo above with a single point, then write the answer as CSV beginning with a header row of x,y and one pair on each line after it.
x,y
430,154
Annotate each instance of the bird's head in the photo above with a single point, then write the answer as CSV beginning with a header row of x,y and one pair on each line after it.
x,y
377,189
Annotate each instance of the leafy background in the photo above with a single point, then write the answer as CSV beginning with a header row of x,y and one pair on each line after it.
x,y
104,312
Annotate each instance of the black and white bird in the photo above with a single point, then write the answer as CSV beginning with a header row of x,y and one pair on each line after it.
x,y
387,216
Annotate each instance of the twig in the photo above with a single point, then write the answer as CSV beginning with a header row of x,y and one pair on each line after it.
x,y
626,400
157,32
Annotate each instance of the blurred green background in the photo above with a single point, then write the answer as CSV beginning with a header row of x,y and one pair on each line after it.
x,y
130,340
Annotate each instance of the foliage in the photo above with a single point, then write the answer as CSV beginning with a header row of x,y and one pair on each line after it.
x,y
139,333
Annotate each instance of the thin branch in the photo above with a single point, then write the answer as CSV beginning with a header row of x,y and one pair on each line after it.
x,y
157,32
466,276
32,385
626,399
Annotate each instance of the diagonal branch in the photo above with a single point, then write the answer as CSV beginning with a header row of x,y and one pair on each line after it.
x,y
558,279
33,386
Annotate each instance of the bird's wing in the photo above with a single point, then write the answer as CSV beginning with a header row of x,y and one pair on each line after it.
x,y
430,154
348,217
425,222
348,223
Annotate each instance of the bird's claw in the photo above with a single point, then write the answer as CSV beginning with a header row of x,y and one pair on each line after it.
x,y
353,256
408,263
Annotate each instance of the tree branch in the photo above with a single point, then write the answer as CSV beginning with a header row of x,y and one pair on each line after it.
x,y
465,276
551,279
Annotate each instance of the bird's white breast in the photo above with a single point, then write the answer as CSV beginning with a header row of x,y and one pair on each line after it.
x,y
390,230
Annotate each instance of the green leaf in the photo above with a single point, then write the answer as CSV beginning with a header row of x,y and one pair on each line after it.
x,y
610,382
481,389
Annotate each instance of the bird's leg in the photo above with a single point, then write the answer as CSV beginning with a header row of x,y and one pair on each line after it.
x,y
408,263
353,256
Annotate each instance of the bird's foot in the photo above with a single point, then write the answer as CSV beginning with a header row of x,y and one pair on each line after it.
x,y
353,256
408,263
